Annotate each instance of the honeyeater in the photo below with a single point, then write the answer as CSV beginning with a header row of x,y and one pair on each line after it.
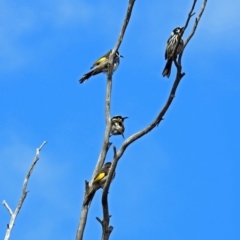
x,y
98,182
101,65
117,127
171,44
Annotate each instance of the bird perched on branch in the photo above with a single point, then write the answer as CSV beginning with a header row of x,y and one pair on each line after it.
x,y
171,45
101,65
118,125
98,182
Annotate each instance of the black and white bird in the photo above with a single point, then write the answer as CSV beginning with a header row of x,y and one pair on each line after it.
x,y
101,65
171,45
117,127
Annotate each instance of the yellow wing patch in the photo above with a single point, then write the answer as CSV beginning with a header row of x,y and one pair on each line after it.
x,y
99,177
100,60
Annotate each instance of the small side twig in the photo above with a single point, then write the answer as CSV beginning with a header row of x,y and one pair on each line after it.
x,y
24,194
105,228
8,208
99,220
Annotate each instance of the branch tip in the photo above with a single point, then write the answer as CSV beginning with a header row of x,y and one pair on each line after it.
x,y
40,148
114,151
110,229
7,207
99,220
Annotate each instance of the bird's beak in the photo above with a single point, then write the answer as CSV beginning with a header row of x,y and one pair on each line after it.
x,y
121,56
124,118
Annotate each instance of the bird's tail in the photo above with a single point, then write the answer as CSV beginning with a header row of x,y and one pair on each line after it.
x,y
90,194
86,76
167,70
103,67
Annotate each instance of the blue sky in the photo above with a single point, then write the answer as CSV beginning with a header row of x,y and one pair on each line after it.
x,y
181,181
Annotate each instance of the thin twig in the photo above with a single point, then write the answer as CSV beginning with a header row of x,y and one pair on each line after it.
x,y
99,220
195,25
8,208
190,14
178,63
24,194
124,27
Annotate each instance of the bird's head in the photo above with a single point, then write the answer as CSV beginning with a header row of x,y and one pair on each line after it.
x,y
118,54
119,118
177,30
107,165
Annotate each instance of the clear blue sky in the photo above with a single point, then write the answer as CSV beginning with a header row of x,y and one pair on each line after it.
x,y
179,182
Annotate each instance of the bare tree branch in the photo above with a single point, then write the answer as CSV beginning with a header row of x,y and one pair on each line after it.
x,y
136,136
106,229
24,195
105,147
195,25
103,153
124,27
178,63
8,208
190,14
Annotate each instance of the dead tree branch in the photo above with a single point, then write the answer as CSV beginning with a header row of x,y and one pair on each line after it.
x,y
105,147
194,26
117,155
106,229
103,153
24,195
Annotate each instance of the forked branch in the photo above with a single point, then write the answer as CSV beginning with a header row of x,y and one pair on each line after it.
x,y
24,195
151,126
